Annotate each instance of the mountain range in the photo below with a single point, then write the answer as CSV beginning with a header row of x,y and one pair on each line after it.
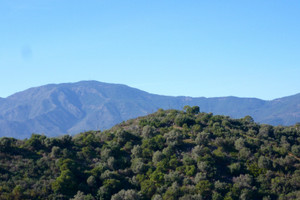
x,y
70,108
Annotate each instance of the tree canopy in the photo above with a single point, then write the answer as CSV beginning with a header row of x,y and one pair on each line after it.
x,y
167,155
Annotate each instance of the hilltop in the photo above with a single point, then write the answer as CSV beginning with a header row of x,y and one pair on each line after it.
x,y
169,154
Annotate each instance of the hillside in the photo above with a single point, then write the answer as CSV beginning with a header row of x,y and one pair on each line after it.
x,y
167,155
70,108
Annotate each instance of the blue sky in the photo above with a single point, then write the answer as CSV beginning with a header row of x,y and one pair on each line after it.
x,y
171,47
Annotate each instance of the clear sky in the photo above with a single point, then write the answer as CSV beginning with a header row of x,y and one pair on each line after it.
x,y
194,48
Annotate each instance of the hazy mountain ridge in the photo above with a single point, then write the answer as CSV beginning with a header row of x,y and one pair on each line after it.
x,y
56,109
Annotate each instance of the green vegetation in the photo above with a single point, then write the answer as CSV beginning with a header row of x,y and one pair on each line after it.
x,y
167,155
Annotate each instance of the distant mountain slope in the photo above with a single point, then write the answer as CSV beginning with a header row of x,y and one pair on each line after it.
x,y
57,109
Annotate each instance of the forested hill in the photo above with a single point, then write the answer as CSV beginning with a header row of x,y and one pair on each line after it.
x,y
70,108
169,155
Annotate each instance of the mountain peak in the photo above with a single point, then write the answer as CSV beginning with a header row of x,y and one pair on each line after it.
x,y
69,108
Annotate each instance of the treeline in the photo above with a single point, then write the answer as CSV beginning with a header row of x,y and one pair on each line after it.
x,y
185,155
